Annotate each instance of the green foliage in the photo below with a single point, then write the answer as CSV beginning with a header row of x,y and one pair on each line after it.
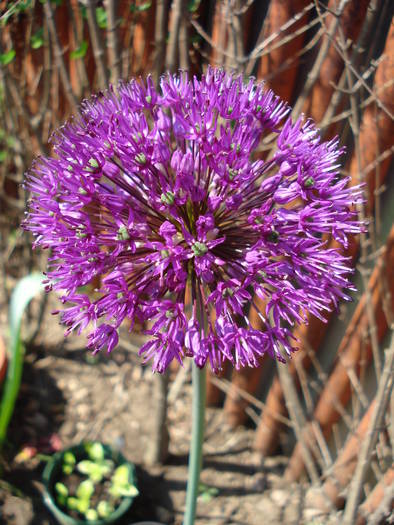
x,y
95,451
101,17
61,489
120,485
80,52
69,458
99,471
105,509
95,470
193,5
37,40
140,8
8,143
54,2
72,503
15,8
82,505
26,289
96,467
206,492
68,463
62,493
7,57
85,489
91,515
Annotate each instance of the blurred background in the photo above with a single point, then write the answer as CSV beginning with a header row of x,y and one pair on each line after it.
x,y
308,443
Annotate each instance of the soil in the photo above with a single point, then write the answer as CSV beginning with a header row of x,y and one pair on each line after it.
x,y
67,396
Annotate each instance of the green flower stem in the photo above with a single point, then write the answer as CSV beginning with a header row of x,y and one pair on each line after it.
x,y
195,456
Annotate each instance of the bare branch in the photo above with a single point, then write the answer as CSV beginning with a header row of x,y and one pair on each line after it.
x,y
382,397
160,38
97,44
297,418
177,12
262,46
59,56
112,40
184,62
315,71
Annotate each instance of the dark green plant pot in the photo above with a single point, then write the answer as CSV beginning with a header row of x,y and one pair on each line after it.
x,y
52,474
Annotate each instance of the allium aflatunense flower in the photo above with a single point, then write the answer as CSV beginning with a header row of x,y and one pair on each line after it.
x,y
157,193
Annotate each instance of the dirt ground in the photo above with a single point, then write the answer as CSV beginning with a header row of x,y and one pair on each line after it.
x,y
67,396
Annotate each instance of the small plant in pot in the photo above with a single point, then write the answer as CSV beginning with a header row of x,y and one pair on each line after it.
x,y
89,483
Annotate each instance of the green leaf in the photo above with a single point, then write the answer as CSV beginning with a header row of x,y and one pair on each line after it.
x,y
10,141
140,8
123,491
127,491
85,467
3,155
37,40
193,5
61,500
85,489
207,493
91,515
80,52
54,2
121,474
15,8
8,57
72,503
69,458
101,17
67,469
120,484
105,509
83,505
61,489
96,451
95,470
25,290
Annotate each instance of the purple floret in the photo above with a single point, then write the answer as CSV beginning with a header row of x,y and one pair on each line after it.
x,y
157,193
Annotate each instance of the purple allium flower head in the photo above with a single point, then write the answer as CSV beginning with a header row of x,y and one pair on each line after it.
x,y
157,193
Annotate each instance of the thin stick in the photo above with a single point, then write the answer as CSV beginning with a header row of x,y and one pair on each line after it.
x,y
160,35
184,62
262,46
127,45
226,386
77,29
315,71
13,90
297,418
236,41
175,24
382,397
97,45
112,40
355,125
59,57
